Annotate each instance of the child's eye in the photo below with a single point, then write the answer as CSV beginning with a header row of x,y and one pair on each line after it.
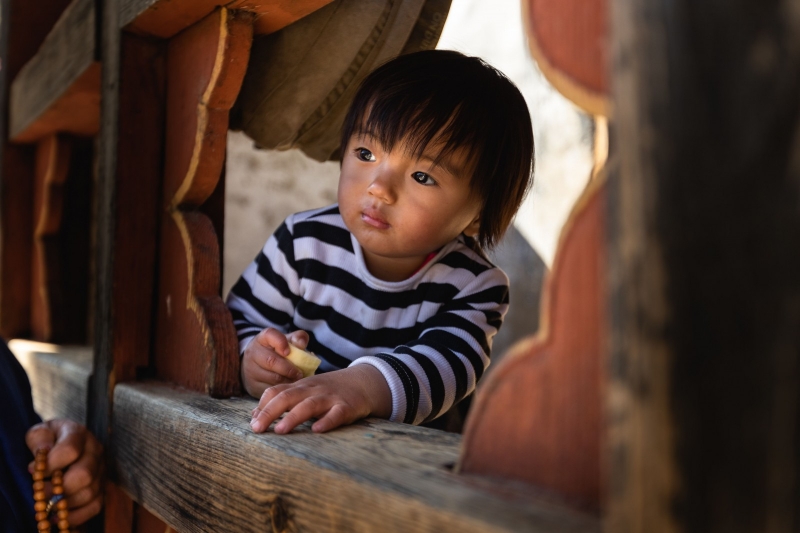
x,y
423,179
364,154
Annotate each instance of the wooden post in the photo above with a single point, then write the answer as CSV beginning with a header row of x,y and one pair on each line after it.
x,y
705,272
196,343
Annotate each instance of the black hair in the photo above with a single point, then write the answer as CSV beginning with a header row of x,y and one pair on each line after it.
x,y
443,95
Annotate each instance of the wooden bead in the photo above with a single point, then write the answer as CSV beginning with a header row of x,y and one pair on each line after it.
x,y
63,525
38,496
61,505
38,476
38,485
39,506
58,489
40,466
43,525
63,514
41,515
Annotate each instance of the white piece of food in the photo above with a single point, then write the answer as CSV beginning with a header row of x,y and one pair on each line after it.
x,y
307,362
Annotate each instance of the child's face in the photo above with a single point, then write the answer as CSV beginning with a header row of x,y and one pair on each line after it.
x,y
401,208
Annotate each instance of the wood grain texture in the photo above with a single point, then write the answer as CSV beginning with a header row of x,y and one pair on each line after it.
x,y
52,167
539,415
62,219
58,89
704,259
166,18
59,377
195,462
140,153
28,25
16,239
196,343
569,41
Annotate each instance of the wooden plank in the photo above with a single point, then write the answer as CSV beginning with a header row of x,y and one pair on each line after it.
x,y
704,229
57,90
16,240
196,343
539,416
59,377
166,18
140,154
195,462
62,214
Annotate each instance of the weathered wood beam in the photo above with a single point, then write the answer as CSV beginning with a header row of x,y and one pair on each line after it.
x,y
195,462
59,377
58,89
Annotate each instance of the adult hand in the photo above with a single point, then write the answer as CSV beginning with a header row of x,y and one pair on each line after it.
x,y
336,398
264,362
75,451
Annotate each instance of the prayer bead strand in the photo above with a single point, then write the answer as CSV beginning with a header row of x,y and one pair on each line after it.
x,y
44,508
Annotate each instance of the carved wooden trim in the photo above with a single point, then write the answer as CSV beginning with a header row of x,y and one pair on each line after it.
x,y
539,416
52,168
568,40
196,343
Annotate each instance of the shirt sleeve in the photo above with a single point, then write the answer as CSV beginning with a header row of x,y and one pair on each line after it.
x,y
443,365
266,294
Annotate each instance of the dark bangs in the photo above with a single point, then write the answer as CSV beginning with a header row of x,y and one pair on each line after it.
x,y
456,102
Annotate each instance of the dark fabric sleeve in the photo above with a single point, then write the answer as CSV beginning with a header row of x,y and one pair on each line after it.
x,y
16,417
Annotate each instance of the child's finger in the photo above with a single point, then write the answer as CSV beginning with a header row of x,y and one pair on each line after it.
x,y
269,360
299,338
338,415
272,338
311,407
268,410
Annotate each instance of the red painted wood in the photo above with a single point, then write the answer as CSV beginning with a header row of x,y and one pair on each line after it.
x,y
538,417
52,167
569,41
77,111
118,510
167,18
196,343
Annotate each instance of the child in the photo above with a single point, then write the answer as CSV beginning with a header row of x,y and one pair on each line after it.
x,y
390,287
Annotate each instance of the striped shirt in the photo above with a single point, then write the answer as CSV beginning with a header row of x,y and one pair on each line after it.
x,y
429,335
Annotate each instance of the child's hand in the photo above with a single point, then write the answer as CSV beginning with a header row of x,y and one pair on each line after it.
x,y
336,398
264,361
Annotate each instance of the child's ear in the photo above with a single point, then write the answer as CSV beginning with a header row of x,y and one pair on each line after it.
x,y
474,227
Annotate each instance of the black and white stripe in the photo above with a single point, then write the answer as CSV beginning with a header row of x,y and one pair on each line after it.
x,y
430,335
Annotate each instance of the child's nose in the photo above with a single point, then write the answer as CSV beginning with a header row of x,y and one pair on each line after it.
x,y
383,187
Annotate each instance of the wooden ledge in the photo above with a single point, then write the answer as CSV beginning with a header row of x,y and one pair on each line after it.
x,y
195,463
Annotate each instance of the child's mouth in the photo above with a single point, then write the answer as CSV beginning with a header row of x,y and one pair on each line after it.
x,y
374,219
